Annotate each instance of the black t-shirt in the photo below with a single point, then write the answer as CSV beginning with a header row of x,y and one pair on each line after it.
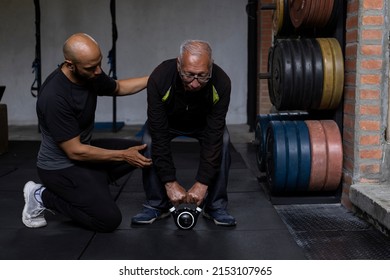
x,y
66,110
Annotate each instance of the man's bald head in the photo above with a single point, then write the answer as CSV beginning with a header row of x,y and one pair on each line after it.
x,y
82,58
80,47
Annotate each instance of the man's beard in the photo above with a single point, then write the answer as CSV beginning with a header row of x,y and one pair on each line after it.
x,y
82,78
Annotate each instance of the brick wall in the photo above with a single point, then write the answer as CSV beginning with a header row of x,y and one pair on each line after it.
x,y
365,93
264,43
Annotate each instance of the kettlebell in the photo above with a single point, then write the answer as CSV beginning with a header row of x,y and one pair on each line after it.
x,y
185,216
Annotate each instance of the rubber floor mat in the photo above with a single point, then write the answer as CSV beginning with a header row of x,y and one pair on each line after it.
x,y
331,232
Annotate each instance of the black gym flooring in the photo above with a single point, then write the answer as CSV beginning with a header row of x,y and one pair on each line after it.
x,y
283,230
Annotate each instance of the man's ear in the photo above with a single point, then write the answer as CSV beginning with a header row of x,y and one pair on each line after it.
x,y
178,64
69,65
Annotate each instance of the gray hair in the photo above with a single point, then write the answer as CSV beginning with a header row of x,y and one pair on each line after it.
x,y
197,48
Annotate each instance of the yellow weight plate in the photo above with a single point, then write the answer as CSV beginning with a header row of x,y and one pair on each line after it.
x,y
277,17
338,73
327,61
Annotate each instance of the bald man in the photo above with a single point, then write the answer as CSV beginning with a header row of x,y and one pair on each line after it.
x,y
74,169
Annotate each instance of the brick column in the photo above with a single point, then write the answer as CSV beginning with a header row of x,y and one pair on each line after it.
x,y
365,94
264,43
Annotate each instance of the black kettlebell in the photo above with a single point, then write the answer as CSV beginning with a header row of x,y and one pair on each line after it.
x,y
185,216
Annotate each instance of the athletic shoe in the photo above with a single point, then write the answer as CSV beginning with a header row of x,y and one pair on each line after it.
x,y
148,215
220,217
33,216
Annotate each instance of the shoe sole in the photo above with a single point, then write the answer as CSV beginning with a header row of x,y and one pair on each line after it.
x,y
26,221
162,216
207,216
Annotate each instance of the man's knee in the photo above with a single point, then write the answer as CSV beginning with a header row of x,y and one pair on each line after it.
x,y
109,221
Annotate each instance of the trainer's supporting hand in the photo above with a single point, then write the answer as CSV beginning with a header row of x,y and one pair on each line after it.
x,y
135,158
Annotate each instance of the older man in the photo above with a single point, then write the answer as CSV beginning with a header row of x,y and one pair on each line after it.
x,y
187,96
75,170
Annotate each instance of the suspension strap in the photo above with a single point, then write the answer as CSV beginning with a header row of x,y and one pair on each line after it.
x,y
36,65
112,52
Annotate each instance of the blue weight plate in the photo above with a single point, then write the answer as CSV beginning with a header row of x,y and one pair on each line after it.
x,y
276,157
304,156
291,156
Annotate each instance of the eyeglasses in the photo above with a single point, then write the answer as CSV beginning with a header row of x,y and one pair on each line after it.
x,y
188,78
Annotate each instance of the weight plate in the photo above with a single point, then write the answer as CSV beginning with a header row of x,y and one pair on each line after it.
x,y
287,28
318,150
308,74
287,94
334,155
327,9
311,18
281,75
335,14
261,136
292,158
319,11
276,76
304,156
297,75
299,10
338,73
270,81
278,17
276,157
327,60
318,73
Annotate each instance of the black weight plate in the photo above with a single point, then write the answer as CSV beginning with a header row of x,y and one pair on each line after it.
x,y
261,138
297,75
271,92
318,76
276,76
276,157
287,85
308,74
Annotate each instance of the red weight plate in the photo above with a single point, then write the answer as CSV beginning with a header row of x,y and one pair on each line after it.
x,y
313,13
334,155
318,155
299,10
327,9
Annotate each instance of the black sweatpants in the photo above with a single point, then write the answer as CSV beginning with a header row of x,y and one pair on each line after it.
x,y
81,192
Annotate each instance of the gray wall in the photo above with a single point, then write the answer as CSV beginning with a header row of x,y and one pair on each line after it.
x,y
150,31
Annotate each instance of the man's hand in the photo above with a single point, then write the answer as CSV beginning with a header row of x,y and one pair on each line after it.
x,y
176,193
197,193
134,157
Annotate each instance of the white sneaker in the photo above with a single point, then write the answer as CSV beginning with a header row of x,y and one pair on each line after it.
x,y
32,216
